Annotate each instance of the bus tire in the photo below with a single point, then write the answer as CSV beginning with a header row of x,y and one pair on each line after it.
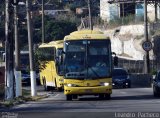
x,y
55,82
107,96
129,85
101,96
68,97
46,88
60,89
75,96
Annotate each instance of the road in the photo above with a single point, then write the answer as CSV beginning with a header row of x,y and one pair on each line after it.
x,y
123,100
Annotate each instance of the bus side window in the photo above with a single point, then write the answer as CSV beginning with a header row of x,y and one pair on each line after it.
x,y
46,54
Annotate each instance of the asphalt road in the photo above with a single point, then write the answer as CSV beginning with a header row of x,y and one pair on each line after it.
x,y
134,101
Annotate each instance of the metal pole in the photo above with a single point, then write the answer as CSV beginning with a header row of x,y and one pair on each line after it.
x,y
9,65
17,56
31,56
43,28
123,13
146,59
90,15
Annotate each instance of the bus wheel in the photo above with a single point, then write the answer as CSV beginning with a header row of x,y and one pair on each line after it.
x,y
108,96
60,89
46,88
75,96
68,97
55,82
101,96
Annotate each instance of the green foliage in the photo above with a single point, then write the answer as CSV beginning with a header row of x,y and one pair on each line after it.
x,y
72,7
23,36
153,72
54,29
69,18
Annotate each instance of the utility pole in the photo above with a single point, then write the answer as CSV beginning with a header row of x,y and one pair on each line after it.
x,y
17,55
123,13
146,58
9,56
31,55
43,28
90,15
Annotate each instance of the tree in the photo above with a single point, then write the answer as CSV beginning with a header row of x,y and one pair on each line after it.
x,y
54,29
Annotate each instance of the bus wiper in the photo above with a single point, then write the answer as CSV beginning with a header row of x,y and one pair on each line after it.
x,y
75,74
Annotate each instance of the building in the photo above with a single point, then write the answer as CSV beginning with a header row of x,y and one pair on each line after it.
x,y
110,12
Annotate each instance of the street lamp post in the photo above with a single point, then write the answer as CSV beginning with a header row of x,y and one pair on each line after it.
x,y
17,55
31,55
146,59
43,27
9,57
90,15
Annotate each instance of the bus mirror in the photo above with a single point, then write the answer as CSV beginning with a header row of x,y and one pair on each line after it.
x,y
59,60
115,61
61,52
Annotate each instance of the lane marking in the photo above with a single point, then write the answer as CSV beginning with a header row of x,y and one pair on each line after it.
x,y
56,95
123,92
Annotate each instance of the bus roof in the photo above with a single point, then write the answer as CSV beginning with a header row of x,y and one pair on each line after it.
x,y
86,34
56,44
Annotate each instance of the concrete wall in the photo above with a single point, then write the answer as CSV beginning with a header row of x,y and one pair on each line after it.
x,y
128,40
108,11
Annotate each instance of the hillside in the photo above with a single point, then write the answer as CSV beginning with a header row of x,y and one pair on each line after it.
x,y
127,41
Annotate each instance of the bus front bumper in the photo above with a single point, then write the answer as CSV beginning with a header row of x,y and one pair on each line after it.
x,y
87,90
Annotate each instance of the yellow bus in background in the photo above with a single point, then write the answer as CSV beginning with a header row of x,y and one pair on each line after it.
x,y
87,60
51,72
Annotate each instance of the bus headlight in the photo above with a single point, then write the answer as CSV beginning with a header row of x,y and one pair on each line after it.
x,y
104,84
71,85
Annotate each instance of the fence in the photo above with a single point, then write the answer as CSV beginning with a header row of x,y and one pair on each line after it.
x,y
137,66
141,80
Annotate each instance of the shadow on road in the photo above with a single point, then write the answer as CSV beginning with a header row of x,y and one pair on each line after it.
x,y
137,97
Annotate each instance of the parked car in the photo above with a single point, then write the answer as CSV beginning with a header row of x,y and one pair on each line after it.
x,y
120,78
26,77
156,85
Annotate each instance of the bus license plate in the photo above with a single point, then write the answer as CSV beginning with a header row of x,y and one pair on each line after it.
x,y
88,90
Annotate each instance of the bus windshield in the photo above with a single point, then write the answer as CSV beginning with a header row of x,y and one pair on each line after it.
x,y
87,59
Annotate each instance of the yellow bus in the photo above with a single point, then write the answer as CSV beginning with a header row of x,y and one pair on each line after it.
x,y
51,72
87,60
